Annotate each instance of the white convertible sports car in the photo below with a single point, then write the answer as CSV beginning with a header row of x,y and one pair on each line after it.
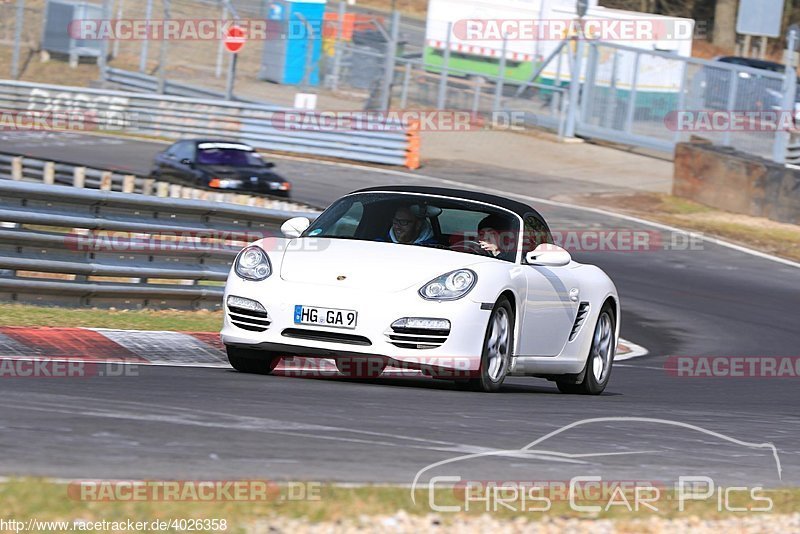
x,y
460,285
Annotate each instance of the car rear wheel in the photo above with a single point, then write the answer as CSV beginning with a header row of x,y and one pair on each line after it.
x,y
601,358
258,362
497,348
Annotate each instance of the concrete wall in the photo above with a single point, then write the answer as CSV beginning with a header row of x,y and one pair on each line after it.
x,y
730,180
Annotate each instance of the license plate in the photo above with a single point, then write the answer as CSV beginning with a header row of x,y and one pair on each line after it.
x,y
312,315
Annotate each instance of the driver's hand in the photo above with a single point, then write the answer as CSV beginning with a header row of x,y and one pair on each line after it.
x,y
489,247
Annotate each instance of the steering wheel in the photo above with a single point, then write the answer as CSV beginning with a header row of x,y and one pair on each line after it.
x,y
470,245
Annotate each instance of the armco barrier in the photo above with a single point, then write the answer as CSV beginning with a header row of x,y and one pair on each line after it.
x,y
63,245
259,125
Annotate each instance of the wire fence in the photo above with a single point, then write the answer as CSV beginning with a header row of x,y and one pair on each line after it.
x,y
367,60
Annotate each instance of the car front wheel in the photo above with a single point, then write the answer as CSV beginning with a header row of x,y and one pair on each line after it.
x,y
601,358
497,348
252,361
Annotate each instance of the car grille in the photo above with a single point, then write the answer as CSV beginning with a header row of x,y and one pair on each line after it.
x,y
248,319
583,312
319,335
417,338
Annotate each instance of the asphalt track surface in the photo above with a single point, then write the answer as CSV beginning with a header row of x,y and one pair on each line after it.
x,y
216,423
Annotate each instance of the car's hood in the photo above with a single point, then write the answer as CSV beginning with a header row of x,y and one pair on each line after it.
x,y
368,265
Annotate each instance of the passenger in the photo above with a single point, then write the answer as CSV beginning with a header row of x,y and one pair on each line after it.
x,y
495,238
409,228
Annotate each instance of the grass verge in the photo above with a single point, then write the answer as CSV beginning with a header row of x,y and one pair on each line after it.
x,y
43,500
759,233
174,320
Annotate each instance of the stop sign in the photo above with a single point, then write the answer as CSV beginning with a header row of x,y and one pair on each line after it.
x,y
234,39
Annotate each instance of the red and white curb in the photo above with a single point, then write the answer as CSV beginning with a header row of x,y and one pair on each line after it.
x,y
140,347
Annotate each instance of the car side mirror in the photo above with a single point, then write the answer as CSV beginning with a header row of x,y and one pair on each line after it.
x,y
187,161
269,164
294,227
547,255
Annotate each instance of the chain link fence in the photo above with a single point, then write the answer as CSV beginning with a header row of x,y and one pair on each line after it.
x,y
370,60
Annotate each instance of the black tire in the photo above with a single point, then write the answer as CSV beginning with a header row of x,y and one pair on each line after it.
x,y
360,367
251,361
592,384
489,379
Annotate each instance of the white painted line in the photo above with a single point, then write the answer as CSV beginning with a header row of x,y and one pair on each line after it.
x,y
636,351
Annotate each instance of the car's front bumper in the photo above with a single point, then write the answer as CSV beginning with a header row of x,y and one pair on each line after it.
x,y
376,313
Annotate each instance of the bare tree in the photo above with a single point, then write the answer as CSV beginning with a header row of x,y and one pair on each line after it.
x,y
725,23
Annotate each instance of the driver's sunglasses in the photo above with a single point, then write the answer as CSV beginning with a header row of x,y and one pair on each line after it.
x,y
402,223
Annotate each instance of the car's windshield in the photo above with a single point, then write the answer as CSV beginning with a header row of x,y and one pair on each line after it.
x,y
421,220
230,155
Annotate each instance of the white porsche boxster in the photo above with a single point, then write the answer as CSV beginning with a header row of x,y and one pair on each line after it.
x,y
460,285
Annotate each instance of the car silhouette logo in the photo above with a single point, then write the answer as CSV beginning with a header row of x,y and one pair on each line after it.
x,y
341,277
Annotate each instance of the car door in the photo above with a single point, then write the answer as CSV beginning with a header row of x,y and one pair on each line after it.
x,y
548,311
183,168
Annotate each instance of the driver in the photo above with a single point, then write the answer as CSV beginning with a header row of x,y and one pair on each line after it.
x,y
411,226
494,237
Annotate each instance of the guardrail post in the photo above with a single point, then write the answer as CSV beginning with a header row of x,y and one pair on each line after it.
x,y
128,183
105,181
79,177
147,186
501,74
162,189
49,173
16,168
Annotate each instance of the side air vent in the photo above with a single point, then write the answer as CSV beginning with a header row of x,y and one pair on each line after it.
x,y
252,320
583,312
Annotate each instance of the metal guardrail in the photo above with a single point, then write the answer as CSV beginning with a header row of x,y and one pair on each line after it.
x,y
63,245
262,126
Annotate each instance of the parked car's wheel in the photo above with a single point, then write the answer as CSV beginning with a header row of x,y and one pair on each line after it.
x,y
600,360
497,348
252,361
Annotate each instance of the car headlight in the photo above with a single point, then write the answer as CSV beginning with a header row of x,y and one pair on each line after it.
x,y
450,286
253,264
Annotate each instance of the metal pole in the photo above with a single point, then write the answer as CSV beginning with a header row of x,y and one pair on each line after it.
x,y
115,53
726,141
221,47
162,55
103,59
632,95
574,89
391,59
18,23
783,137
231,77
682,98
441,100
501,74
406,82
148,13
339,44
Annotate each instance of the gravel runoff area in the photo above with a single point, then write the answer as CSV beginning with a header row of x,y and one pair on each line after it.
x,y
405,523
